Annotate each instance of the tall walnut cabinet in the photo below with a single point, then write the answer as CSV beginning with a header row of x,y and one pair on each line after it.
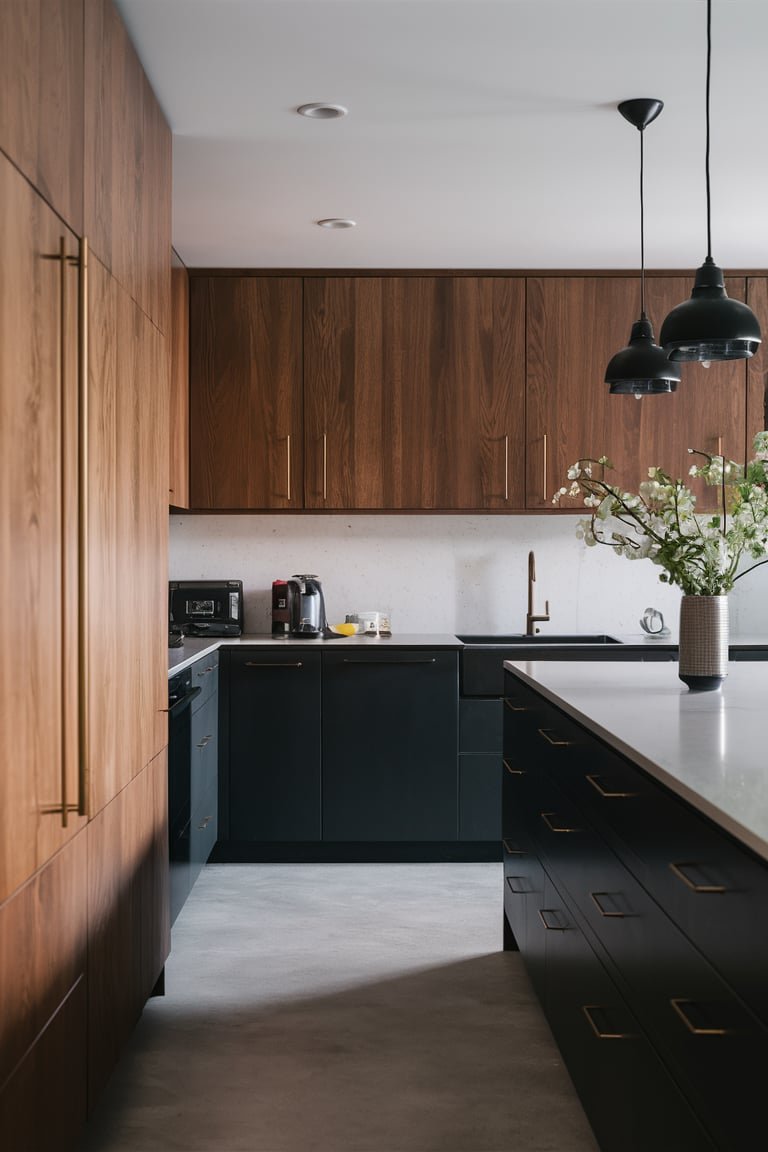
x,y
84,156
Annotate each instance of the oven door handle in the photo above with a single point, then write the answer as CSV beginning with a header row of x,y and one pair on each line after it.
x,y
177,708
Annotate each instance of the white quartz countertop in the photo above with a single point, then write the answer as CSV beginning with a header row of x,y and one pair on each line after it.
x,y
710,748
194,648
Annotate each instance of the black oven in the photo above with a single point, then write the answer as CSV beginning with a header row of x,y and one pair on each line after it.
x,y
180,697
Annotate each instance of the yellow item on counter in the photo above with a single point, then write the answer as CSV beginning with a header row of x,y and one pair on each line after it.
x,y
345,629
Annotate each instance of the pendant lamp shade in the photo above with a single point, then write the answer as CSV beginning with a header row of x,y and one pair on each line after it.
x,y
642,368
710,326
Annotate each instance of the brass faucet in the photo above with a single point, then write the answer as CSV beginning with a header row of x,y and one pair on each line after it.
x,y
530,618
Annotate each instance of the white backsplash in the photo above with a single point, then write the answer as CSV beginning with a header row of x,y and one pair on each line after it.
x,y
441,573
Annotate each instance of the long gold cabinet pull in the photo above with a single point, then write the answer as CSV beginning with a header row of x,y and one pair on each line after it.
x,y
597,1018
702,886
553,738
82,489
548,818
544,470
686,1009
288,462
325,466
607,793
272,664
506,467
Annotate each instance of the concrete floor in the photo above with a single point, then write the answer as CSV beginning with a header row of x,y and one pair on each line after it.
x,y
342,1008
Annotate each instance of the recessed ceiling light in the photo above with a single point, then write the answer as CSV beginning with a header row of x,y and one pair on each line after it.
x,y
335,222
322,111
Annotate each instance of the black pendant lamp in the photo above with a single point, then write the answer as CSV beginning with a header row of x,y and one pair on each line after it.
x,y
710,326
642,368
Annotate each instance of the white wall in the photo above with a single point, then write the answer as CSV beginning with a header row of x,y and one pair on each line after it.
x,y
441,573
437,573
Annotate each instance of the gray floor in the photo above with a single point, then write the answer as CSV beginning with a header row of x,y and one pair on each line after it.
x,y
342,1008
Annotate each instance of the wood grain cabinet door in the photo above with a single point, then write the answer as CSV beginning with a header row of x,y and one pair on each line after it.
x,y
127,164
414,392
757,367
41,111
246,421
575,325
38,531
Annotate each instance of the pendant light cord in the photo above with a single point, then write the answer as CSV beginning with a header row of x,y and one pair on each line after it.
x,y
642,234
706,154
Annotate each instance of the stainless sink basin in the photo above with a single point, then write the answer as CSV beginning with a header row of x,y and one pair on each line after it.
x,y
540,638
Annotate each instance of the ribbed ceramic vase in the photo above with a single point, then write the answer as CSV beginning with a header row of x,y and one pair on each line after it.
x,y
703,648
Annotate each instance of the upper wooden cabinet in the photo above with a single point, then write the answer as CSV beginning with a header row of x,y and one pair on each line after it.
x,y
178,416
127,193
41,110
757,367
246,420
575,325
413,392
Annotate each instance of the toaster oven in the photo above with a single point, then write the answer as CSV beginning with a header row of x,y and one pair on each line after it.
x,y
205,607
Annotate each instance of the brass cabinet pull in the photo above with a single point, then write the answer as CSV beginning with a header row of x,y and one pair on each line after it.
x,y
288,458
553,739
594,780
710,889
559,925
506,467
270,664
554,827
680,1006
83,781
511,850
63,269
719,445
596,896
205,740
602,1032
205,671
513,771
325,466
515,707
544,472
201,827
525,890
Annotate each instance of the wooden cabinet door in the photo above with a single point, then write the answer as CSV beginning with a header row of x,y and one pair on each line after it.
x,y
127,188
414,392
246,423
757,366
178,416
38,532
43,955
127,455
127,913
575,325
41,111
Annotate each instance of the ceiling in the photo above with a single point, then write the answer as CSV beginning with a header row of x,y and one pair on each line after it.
x,y
480,134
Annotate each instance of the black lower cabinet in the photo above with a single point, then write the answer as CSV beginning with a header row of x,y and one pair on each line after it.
x,y
274,774
389,745
665,1037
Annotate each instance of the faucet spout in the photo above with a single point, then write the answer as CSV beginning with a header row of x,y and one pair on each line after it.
x,y
531,618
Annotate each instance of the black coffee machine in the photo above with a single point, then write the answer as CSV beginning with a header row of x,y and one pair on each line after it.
x,y
298,607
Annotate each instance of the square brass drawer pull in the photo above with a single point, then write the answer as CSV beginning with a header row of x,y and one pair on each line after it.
x,y
696,886
557,827
602,1030
686,1008
607,793
553,738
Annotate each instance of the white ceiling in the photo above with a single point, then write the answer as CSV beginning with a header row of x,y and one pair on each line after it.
x,y
480,134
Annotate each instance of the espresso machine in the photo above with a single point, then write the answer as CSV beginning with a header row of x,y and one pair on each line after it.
x,y
298,607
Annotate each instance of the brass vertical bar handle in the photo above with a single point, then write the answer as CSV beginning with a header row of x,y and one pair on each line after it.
x,y
506,466
65,672
83,781
601,1033
288,465
679,1004
325,466
544,470
719,445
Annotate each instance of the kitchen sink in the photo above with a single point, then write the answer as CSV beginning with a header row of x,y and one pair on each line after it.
x,y
481,660
540,638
